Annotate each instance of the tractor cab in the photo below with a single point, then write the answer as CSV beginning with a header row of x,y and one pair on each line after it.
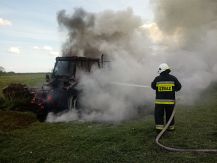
x,y
71,67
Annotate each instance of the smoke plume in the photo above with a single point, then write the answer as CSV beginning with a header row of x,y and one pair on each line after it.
x,y
119,36
186,34
194,56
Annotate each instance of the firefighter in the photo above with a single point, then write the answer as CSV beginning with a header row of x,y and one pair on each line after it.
x,y
165,85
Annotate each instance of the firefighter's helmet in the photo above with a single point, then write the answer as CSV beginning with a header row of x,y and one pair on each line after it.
x,y
163,67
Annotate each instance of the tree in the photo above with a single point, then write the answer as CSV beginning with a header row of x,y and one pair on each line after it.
x,y
2,69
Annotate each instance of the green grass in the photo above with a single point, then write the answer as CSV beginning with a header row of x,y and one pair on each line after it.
x,y
133,141
31,80
28,79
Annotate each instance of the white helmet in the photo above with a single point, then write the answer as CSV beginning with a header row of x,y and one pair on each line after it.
x,y
163,67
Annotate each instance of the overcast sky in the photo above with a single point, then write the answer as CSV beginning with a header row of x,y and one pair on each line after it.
x,y
29,35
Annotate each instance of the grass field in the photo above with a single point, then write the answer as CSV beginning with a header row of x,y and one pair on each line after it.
x,y
28,79
24,139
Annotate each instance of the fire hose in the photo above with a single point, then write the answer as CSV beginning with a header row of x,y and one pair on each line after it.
x,y
166,127
178,149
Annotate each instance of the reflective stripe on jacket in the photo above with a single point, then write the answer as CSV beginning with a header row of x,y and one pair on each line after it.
x,y
165,85
164,101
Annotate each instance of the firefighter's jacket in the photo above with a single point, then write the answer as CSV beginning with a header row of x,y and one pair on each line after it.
x,y
165,85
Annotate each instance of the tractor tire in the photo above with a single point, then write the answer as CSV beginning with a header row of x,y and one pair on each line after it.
x,y
42,116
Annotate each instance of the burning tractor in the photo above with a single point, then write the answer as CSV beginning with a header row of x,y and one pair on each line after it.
x,y
60,92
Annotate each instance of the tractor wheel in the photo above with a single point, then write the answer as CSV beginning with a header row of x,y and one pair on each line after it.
x,y
41,116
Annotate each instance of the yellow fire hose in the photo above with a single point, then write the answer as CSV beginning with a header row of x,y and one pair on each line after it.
x,y
178,149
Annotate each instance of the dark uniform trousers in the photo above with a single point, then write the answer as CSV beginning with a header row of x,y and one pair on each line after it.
x,y
165,85
160,110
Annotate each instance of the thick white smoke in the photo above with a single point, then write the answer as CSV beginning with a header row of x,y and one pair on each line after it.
x,y
186,34
118,35
194,56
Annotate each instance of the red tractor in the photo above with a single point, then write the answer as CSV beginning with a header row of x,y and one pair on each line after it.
x,y
60,92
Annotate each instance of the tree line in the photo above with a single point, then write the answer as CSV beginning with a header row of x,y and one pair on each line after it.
x,y
3,72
